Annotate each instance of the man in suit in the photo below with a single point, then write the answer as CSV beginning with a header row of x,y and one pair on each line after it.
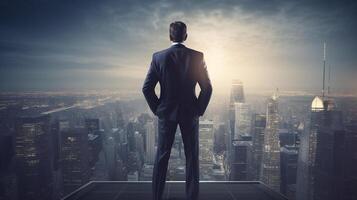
x,y
178,69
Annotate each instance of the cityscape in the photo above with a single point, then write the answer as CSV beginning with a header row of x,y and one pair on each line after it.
x,y
298,145
281,122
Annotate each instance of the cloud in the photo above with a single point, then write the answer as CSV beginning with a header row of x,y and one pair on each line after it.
x,y
255,40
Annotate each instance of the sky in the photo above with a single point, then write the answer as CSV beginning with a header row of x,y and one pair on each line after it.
x,y
71,45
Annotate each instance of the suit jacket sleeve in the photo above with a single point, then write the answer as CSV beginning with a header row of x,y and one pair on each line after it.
x,y
205,85
149,86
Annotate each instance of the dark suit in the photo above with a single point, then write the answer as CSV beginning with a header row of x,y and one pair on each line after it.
x,y
178,69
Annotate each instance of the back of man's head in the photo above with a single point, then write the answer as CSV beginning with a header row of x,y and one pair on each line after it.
x,y
178,31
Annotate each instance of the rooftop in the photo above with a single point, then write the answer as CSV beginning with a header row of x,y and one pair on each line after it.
x,y
122,190
317,104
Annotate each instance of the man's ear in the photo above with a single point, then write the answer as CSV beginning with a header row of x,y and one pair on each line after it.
x,y
185,37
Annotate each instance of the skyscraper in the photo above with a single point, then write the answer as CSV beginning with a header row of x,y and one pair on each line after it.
x,y
206,147
95,139
327,169
239,166
313,160
92,125
307,152
242,121
34,158
74,156
348,179
237,96
236,107
237,92
329,161
240,124
257,131
289,157
150,142
270,173
219,144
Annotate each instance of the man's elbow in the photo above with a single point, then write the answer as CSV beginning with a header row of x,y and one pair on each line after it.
x,y
148,91
209,89
145,90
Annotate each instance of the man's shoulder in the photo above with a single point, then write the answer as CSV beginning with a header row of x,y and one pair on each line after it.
x,y
161,52
170,50
195,52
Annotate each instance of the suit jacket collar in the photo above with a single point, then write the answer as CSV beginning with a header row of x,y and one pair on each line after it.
x,y
177,45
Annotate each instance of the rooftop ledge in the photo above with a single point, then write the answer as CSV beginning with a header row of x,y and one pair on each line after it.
x,y
209,190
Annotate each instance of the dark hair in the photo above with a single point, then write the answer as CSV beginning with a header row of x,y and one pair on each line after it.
x,y
178,31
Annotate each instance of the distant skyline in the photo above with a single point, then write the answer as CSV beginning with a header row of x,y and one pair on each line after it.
x,y
59,45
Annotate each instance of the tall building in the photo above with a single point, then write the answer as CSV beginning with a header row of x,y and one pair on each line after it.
x,y
270,173
237,96
307,152
110,150
241,154
289,158
56,128
7,173
6,148
206,148
242,121
219,144
257,132
286,137
346,187
237,92
150,142
309,143
95,145
116,153
74,156
236,107
329,166
139,143
95,139
130,131
33,157
92,125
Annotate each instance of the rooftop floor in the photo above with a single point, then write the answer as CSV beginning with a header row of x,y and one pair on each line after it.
x,y
122,190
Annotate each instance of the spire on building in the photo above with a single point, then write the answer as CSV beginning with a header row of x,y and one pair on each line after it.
x,y
324,72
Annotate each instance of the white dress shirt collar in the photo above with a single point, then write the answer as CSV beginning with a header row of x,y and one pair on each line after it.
x,y
174,43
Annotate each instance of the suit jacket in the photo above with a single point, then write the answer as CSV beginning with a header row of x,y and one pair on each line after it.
x,y
178,69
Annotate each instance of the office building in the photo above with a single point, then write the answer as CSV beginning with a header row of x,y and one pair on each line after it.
x,y
74,156
92,125
257,132
150,142
206,148
289,158
241,157
33,154
243,118
270,173
307,151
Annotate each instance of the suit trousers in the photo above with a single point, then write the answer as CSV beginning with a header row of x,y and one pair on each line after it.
x,y
166,136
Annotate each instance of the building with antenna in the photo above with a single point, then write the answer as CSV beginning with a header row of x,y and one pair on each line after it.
x,y
308,141
316,153
324,72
